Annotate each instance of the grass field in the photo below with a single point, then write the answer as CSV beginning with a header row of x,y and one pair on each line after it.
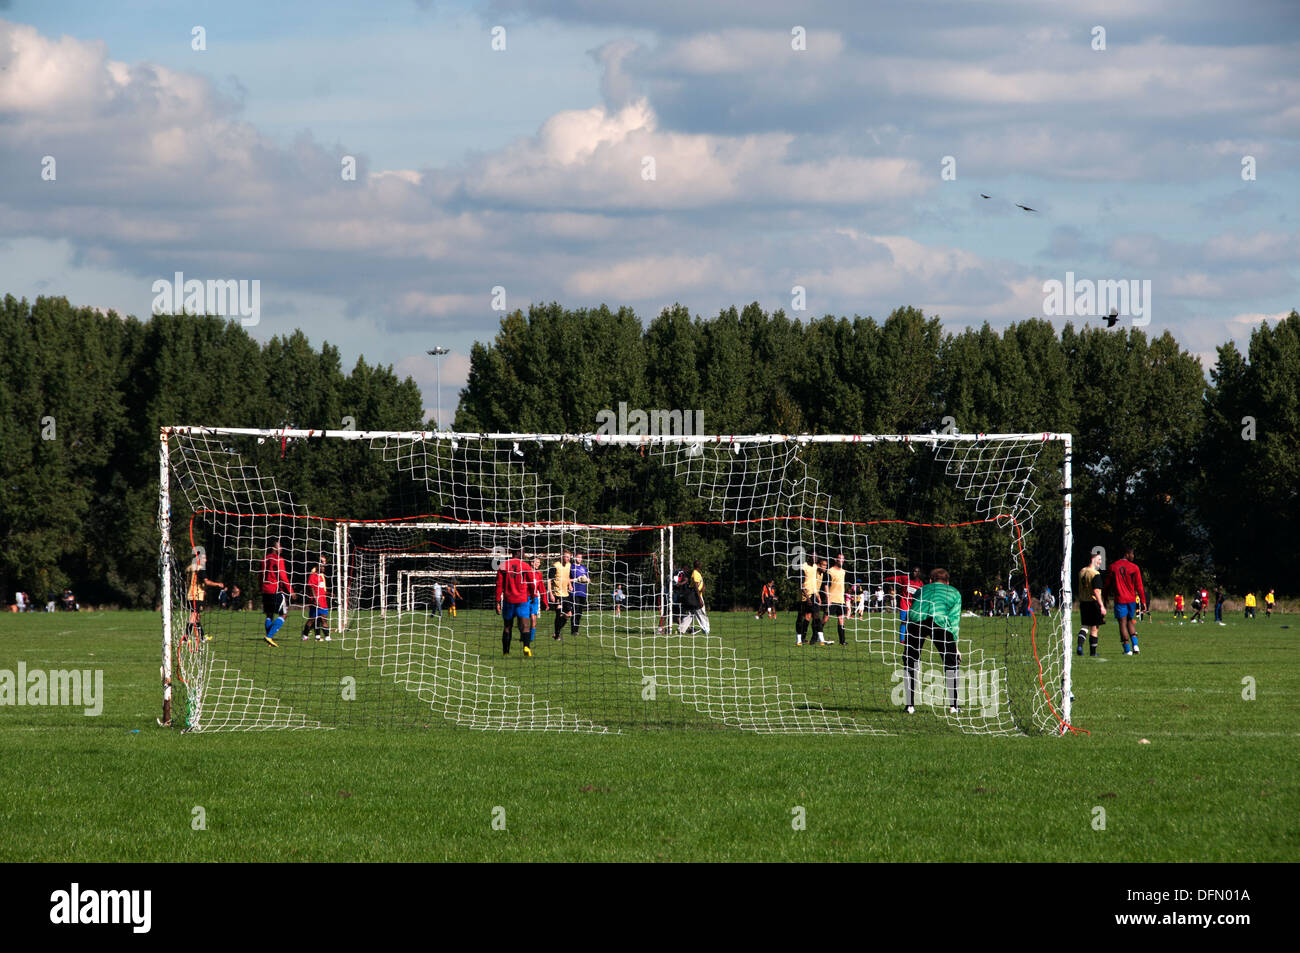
x,y
1217,781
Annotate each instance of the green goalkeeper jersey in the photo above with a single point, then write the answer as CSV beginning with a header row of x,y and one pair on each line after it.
x,y
940,602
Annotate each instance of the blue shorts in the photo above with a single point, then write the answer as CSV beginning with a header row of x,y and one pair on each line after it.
x,y
535,605
515,610
315,612
1126,610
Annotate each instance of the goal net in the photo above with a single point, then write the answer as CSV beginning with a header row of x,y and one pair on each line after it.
x,y
380,604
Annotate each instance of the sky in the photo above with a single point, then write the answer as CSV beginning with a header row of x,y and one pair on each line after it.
x,y
818,157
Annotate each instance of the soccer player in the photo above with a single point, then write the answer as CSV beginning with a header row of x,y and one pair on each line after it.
x,y
905,590
934,614
835,603
276,591
1126,584
1092,604
619,597
1250,605
767,600
809,601
1269,600
538,601
517,584
453,594
690,593
196,593
1198,606
1178,607
318,604
579,578
561,592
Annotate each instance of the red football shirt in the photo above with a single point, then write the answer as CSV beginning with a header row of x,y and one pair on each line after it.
x,y
1127,580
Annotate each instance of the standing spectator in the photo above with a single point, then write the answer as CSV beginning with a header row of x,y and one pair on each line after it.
x,y
1047,600
20,600
437,598
620,597
1219,599
1125,583
235,593
69,602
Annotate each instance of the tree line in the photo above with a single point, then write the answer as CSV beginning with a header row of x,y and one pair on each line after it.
x,y
1201,473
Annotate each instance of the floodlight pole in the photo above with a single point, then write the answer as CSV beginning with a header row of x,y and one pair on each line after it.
x,y
437,354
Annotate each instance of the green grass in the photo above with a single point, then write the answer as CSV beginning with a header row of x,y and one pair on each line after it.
x,y
1217,782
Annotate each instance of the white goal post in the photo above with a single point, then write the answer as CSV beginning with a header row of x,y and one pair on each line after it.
x,y
762,500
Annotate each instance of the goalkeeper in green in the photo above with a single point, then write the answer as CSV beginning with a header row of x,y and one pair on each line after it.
x,y
935,614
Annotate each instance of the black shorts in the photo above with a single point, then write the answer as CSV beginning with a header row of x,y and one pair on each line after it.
x,y
564,606
808,606
1090,613
836,610
274,604
769,603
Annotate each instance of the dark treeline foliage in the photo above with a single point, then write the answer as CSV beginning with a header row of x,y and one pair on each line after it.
x,y
82,398
1161,455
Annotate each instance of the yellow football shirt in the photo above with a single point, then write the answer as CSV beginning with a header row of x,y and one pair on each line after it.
x,y
561,583
812,581
835,587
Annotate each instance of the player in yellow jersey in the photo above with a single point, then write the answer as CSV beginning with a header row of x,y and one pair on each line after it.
x,y
835,602
197,584
561,592
1250,605
1269,600
810,604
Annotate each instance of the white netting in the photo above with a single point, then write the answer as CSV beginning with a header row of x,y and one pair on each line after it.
x,y
411,582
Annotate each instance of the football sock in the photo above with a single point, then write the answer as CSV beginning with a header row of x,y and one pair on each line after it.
x,y
1092,645
505,641
275,626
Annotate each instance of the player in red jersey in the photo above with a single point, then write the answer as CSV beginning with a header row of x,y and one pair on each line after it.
x,y
517,584
318,604
276,591
1126,585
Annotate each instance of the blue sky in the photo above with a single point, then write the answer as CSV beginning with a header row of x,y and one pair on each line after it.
x,y
525,167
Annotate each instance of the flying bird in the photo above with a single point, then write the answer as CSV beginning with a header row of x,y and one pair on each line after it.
x,y
1026,207
983,196
1112,317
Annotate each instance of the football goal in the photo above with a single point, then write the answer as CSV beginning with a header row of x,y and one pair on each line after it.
x,y
757,582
